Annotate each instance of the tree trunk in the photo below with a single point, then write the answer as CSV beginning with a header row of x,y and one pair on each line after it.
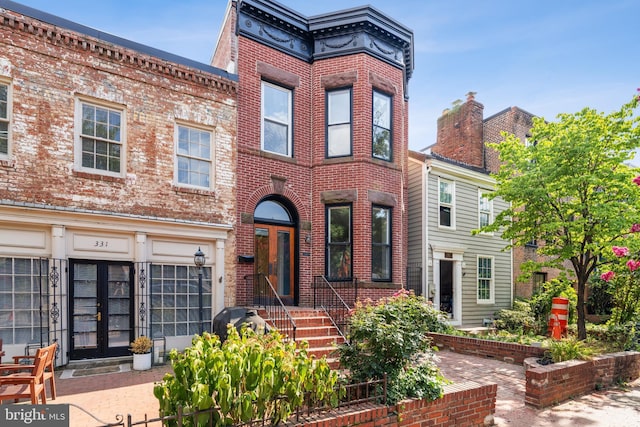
x,y
582,329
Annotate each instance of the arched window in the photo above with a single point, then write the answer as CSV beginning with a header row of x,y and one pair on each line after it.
x,y
272,211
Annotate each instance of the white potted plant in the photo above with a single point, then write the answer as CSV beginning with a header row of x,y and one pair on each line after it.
x,y
141,349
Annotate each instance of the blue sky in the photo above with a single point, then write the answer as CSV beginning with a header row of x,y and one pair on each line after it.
x,y
546,56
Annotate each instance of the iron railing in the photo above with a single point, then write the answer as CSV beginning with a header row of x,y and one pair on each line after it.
x,y
336,299
414,278
265,296
355,395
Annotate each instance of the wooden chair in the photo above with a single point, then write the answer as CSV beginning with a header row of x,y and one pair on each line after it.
x,y
16,387
49,373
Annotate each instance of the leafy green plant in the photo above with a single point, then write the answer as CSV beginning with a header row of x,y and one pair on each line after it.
x,y
519,320
600,299
389,338
541,301
251,376
569,349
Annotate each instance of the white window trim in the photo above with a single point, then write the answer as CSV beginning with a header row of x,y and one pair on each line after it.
x,y
289,124
8,154
212,159
78,133
492,283
482,193
452,205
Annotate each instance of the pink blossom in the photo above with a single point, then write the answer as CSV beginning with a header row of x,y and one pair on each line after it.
x,y
607,276
635,228
633,265
636,180
620,251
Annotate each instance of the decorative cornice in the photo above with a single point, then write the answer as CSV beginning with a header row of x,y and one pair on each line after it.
x,y
57,31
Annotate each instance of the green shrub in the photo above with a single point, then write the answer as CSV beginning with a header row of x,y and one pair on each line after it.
x,y
600,299
389,337
250,376
569,349
519,320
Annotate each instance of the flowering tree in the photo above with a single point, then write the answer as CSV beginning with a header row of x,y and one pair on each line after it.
x,y
571,190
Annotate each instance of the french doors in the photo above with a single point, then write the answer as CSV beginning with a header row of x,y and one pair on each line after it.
x,y
101,307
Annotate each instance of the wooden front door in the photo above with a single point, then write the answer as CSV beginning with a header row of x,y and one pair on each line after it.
x,y
274,258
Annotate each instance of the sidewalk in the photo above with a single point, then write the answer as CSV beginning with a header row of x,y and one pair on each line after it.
x,y
131,392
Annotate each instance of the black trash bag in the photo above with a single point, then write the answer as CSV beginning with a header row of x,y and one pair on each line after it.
x,y
238,316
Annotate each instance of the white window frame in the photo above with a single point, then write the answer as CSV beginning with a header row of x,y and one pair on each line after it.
x,y
210,160
491,280
288,122
80,101
7,119
487,210
452,205
332,148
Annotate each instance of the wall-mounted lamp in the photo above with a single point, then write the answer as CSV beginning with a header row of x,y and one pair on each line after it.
x,y
199,259
307,238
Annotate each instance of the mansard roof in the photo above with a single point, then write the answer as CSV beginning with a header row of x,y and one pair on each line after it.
x,y
355,30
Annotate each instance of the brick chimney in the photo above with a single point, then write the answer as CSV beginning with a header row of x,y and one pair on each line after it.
x,y
460,133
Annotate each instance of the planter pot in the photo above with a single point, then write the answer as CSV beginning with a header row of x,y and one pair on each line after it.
x,y
142,362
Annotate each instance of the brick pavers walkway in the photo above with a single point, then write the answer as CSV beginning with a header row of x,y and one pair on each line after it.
x,y
132,393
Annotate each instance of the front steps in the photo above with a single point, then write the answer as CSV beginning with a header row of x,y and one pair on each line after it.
x,y
316,328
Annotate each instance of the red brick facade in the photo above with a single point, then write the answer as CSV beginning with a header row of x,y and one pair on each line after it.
x,y
307,181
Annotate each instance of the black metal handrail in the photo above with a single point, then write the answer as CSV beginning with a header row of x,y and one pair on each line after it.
x,y
326,297
265,295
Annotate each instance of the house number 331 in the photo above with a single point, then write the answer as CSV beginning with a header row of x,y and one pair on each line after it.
x,y
101,244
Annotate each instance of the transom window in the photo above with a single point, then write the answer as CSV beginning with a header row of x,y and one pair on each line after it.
x,y
446,203
193,156
381,243
338,258
381,126
276,119
4,119
339,123
485,293
101,138
485,209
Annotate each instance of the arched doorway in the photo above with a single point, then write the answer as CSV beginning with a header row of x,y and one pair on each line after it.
x,y
275,224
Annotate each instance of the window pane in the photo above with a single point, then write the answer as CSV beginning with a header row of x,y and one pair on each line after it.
x,y
339,108
380,226
445,216
276,137
276,103
380,263
270,210
339,224
339,140
445,192
339,242
381,143
381,110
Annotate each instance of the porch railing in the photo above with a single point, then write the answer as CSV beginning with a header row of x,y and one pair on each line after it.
x,y
336,299
265,296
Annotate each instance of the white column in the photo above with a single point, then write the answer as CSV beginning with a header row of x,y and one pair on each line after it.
x,y
219,282
58,247
140,253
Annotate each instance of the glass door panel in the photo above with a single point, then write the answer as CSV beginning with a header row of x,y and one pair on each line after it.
x,y
274,249
119,303
85,306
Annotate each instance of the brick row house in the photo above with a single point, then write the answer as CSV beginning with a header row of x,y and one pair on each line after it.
x,y
117,162
285,158
322,148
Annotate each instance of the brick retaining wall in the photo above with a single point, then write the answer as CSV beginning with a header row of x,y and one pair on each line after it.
x,y
507,352
551,384
467,403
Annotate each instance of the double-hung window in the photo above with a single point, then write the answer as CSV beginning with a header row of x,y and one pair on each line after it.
x,y
276,119
339,123
485,291
193,156
485,209
381,148
381,243
446,203
101,136
5,115
338,258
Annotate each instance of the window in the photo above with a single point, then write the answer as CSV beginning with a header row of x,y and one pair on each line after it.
x,y
381,126
338,258
5,114
101,139
381,243
485,209
446,204
538,279
174,299
485,280
193,151
20,281
276,119
339,123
